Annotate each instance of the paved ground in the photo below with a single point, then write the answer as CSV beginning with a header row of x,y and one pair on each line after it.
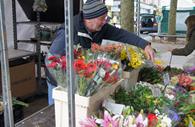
x,y
165,48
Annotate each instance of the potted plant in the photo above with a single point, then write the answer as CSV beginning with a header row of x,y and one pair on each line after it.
x,y
17,110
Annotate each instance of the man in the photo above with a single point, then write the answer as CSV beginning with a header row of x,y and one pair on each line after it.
x,y
91,26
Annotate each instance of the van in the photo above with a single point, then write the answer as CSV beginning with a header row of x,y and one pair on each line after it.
x,y
148,23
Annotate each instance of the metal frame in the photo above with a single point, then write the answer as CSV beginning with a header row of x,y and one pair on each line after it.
x,y
68,15
138,17
7,98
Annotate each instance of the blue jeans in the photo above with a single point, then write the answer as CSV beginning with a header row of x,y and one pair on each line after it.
x,y
50,88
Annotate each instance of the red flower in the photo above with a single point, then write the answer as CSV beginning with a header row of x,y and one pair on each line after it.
x,y
90,69
107,76
152,120
63,62
110,78
52,58
52,65
77,53
79,65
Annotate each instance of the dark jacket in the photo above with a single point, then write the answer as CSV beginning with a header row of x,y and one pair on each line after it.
x,y
189,47
82,36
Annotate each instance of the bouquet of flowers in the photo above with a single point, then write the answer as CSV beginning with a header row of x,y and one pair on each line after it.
x,y
92,72
56,65
131,58
111,51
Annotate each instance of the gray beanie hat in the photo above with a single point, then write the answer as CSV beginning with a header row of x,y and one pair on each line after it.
x,y
93,9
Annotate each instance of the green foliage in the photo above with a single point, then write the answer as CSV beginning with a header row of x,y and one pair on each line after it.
x,y
140,98
175,71
16,102
150,75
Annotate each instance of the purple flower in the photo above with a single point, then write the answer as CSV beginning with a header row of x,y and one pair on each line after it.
x,y
189,69
173,116
179,89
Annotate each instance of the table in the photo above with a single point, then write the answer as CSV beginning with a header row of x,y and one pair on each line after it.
x,y
15,54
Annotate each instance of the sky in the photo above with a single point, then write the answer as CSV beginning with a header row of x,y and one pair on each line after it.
x,y
181,3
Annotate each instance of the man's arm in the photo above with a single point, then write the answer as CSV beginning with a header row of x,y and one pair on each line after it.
x,y
116,34
58,44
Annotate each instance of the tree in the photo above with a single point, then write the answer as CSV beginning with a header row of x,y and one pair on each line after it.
x,y
172,20
127,15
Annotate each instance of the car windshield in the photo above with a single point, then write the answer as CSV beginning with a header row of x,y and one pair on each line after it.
x,y
147,21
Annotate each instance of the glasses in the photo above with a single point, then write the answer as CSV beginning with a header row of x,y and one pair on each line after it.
x,y
103,18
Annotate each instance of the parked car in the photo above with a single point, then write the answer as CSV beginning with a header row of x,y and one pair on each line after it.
x,y
148,23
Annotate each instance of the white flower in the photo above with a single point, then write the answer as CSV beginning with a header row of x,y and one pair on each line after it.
x,y
165,121
170,96
156,112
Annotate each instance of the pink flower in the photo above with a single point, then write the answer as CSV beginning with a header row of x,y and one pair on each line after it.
x,y
110,121
184,80
139,120
88,122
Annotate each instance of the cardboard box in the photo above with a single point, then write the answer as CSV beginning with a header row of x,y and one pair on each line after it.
x,y
22,78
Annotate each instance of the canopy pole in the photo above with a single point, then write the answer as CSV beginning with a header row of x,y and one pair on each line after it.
x,y
68,6
7,98
138,17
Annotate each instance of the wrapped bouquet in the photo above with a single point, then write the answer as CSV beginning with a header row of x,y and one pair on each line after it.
x,y
92,71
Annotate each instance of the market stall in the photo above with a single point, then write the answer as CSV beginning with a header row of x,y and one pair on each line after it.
x,y
115,85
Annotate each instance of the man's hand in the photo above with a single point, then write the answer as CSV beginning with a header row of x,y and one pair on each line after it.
x,y
149,52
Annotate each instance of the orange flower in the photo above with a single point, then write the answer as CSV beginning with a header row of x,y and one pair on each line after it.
x,y
95,47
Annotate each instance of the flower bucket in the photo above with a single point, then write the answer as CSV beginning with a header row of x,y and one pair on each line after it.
x,y
84,106
130,78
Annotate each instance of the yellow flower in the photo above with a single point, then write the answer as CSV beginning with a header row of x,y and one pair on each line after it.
x,y
158,62
115,66
189,119
174,80
123,54
135,57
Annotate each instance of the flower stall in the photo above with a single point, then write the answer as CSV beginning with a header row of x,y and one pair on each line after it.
x,y
97,75
116,86
155,101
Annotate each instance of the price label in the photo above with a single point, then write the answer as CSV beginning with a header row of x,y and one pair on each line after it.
x,y
166,78
156,92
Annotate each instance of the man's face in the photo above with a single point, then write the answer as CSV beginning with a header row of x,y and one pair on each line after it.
x,y
96,24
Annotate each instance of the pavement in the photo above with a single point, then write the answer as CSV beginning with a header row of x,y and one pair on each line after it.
x,y
165,54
